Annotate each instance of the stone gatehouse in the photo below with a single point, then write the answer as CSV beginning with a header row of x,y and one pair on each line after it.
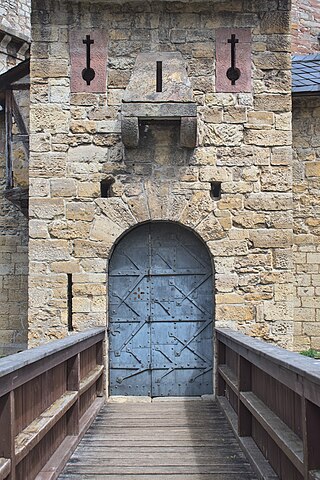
x,y
97,171
172,117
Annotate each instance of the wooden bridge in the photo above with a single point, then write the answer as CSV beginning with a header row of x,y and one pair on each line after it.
x,y
264,423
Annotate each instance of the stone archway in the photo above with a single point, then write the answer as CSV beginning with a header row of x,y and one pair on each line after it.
x,y
161,313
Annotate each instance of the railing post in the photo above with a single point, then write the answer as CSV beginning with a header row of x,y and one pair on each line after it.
x,y
245,385
311,436
221,360
99,360
7,429
73,384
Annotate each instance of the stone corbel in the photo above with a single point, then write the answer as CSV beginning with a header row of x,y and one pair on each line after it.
x,y
159,94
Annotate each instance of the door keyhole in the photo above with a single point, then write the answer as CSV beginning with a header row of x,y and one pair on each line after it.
x,y
159,77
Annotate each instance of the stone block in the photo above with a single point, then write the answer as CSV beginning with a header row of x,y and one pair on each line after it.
x,y
220,135
214,174
249,220
238,313
231,202
104,229
235,115
272,60
39,187
63,187
46,208
269,201
49,118
38,229
210,229
88,153
81,304
281,156
40,142
225,282
312,169
275,22
71,266
49,68
271,238
228,298
117,211
204,156
80,211
69,230
224,248
59,94
260,120
267,138
276,179
273,102
49,250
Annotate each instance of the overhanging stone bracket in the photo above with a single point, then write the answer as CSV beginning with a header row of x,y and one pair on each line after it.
x,y
156,93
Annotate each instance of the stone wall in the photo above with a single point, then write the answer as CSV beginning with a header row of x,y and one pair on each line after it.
x,y
15,25
14,48
305,26
244,142
13,267
306,143
15,16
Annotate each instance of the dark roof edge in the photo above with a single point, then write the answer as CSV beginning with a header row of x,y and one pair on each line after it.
x,y
14,74
15,34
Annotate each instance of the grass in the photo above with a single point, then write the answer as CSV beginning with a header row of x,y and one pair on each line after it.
x,y
312,353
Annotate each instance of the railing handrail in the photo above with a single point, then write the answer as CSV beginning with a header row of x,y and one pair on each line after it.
x,y
22,359
272,399
293,361
49,396
55,352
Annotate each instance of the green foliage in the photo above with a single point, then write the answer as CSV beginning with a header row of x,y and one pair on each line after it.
x,y
312,353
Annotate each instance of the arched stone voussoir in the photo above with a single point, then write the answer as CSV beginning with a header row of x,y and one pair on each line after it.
x,y
210,229
199,207
157,195
139,208
105,230
117,211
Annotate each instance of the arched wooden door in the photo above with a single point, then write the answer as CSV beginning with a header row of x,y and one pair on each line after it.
x,y
161,309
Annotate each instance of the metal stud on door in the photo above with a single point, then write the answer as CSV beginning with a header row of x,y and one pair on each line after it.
x,y
161,339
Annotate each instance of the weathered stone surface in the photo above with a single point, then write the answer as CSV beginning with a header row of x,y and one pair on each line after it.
x,y
46,208
271,238
269,201
49,250
65,187
275,22
244,143
49,118
104,229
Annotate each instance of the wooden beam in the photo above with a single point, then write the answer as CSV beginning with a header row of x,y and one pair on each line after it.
x,y
44,358
5,468
7,429
73,383
8,128
245,381
311,436
18,117
280,433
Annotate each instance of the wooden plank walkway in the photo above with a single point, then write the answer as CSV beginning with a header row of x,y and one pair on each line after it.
x,y
168,440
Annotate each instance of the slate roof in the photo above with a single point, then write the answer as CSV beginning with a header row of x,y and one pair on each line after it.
x,y
306,74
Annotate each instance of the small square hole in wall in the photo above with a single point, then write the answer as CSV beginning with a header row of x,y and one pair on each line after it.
x,y
215,191
106,187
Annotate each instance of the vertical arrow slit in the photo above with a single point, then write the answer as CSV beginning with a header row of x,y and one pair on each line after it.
x,y
159,77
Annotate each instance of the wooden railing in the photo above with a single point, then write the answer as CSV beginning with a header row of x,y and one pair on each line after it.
x,y
272,399
48,398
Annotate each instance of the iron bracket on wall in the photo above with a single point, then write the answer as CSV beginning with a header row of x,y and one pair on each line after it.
x,y
159,89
